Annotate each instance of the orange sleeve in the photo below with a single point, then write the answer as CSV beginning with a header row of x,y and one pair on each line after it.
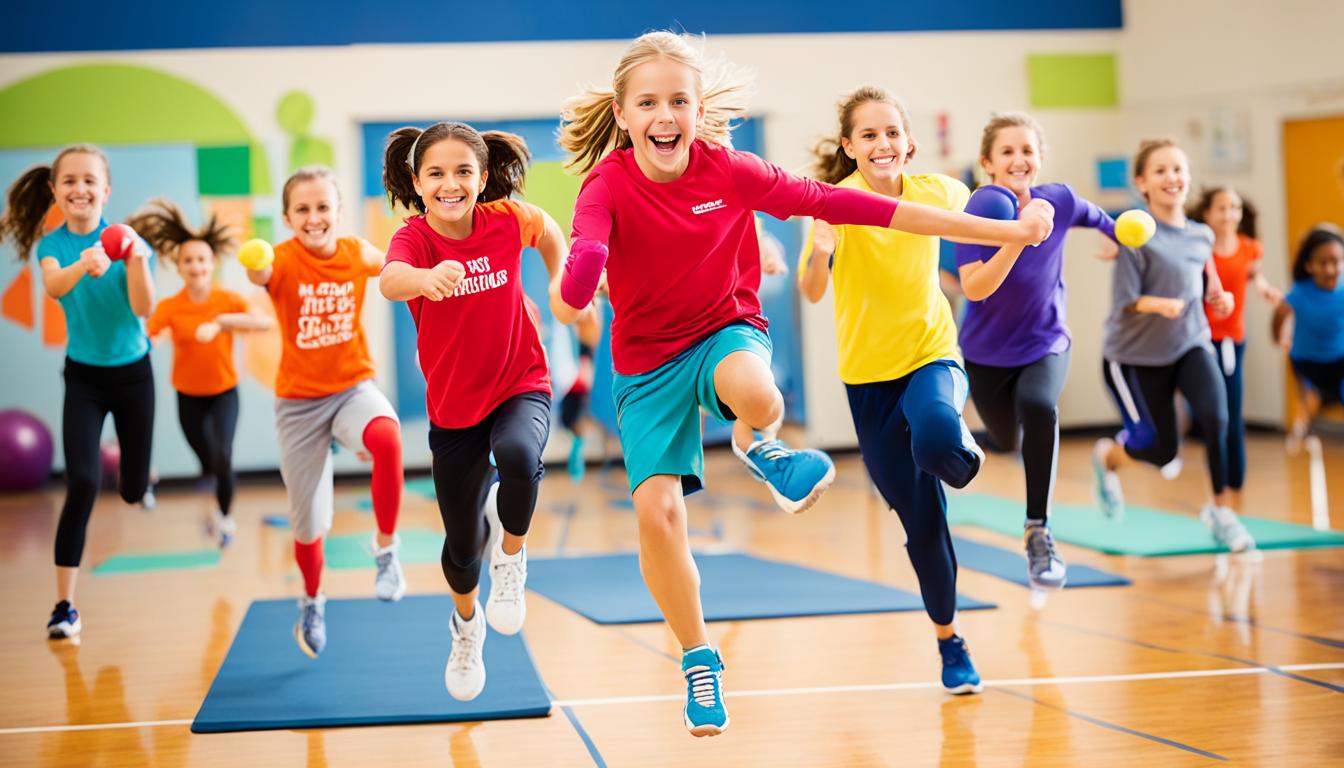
x,y
236,302
158,320
1257,251
531,223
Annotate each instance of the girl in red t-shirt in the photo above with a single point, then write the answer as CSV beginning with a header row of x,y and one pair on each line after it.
x,y
457,265
201,319
1236,256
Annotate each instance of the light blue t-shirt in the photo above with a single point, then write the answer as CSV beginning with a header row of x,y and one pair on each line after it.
x,y
1318,322
100,327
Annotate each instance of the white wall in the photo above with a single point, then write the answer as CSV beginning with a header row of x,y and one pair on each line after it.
x,y
1177,61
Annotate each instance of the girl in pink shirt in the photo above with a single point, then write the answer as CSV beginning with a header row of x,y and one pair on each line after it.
x,y
667,210
457,266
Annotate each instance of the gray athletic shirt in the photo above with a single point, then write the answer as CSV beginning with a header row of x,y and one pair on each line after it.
x,y
1170,265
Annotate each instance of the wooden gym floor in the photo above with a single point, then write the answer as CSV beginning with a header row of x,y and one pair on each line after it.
x,y
1204,660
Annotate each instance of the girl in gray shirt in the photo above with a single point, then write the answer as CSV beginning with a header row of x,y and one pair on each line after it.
x,y
1158,343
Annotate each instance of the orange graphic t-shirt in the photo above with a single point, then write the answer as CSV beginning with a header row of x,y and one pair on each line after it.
x,y
199,370
317,305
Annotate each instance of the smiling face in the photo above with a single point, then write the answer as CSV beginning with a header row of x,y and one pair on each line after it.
x,y
879,142
1325,264
449,181
1014,159
1164,179
196,263
80,186
1224,213
313,210
660,109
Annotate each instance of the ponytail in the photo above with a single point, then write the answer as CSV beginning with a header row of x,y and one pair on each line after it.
x,y
29,199
503,157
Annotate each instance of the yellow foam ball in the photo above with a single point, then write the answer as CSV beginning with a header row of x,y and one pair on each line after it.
x,y
256,254
1135,228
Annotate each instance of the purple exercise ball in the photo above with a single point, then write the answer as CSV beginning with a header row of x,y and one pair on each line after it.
x,y
25,444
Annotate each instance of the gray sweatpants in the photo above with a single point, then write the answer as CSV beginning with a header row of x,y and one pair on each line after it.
x,y
305,428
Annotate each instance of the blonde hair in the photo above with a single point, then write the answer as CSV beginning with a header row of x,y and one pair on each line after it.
x,y
1001,120
308,173
1146,149
588,129
831,164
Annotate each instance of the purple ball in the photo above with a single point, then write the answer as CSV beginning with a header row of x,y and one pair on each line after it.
x,y
993,202
26,444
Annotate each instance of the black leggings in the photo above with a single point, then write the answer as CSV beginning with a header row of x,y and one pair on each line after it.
x,y
1145,394
209,424
515,433
1025,396
92,392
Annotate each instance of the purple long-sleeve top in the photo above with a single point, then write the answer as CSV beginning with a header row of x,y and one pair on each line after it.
x,y
1023,321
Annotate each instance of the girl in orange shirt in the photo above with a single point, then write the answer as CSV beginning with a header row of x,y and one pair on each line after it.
x,y
324,389
201,319
1236,256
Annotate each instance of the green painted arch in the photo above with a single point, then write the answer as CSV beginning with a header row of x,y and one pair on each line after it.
x,y
112,103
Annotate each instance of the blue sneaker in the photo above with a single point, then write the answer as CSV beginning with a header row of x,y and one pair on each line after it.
x,y
795,478
576,465
959,675
64,621
1110,496
705,713
311,629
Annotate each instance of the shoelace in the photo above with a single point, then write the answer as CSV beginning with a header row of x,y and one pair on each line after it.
x,y
1226,524
773,450
310,616
507,578
702,680
384,565
1041,546
954,653
464,651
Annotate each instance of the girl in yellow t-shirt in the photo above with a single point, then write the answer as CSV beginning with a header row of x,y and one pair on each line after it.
x,y
898,349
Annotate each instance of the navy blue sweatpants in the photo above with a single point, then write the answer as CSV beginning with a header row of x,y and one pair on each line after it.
x,y
911,438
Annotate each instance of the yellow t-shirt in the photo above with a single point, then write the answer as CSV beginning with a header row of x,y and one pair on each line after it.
x,y
890,315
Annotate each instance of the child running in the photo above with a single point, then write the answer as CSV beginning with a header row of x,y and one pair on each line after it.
x,y
324,389
1014,337
1158,342
1309,323
898,346
201,319
666,208
107,368
457,265
1236,256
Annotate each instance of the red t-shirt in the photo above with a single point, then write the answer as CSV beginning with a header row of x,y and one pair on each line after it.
x,y
684,259
1234,270
480,346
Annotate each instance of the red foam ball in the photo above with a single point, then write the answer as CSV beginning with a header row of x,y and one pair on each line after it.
x,y
118,241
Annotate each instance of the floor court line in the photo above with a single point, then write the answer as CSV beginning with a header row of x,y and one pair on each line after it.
x,y
765,692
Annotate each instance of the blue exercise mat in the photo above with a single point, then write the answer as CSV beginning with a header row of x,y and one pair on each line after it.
x,y
608,589
1012,566
383,665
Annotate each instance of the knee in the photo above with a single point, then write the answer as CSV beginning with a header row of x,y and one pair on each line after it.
x,y
462,555
1038,412
518,458
760,406
382,436
82,482
659,511
934,435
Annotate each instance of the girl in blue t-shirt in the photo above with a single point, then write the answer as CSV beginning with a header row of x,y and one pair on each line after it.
x,y
1315,338
107,366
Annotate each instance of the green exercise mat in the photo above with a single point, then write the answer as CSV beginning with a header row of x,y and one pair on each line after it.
x,y
1141,531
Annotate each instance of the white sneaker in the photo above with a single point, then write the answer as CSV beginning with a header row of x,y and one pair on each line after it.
x,y
506,607
1227,528
1172,469
465,674
390,583
1110,495
221,528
